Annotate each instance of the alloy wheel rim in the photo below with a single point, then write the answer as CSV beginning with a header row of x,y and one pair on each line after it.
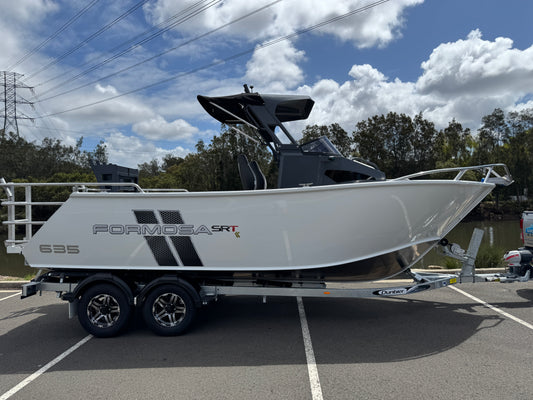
x,y
103,311
169,309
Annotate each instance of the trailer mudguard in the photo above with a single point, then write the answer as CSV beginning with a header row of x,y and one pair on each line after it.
x,y
172,280
99,278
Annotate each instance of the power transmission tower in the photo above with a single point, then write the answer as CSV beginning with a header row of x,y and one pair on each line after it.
x,y
11,82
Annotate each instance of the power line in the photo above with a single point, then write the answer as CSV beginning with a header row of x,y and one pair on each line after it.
x,y
54,35
164,52
126,43
47,128
230,58
184,18
89,38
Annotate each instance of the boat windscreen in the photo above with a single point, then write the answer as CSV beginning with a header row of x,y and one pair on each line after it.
x,y
321,145
292,109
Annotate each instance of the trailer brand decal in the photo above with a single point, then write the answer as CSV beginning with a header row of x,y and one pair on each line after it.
x,y
391,292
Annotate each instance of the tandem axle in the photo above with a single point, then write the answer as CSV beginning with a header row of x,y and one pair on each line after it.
x,y
104,302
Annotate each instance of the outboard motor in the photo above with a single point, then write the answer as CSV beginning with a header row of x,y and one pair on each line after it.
x,y
519,261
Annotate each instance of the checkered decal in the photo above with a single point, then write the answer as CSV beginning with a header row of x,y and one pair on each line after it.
x,y
169,250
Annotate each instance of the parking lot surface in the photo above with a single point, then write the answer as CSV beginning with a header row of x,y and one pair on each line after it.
x,y
438,344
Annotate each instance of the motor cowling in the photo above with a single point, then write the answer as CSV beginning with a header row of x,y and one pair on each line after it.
x,y
519,261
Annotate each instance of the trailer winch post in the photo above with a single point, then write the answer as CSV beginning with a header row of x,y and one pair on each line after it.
x,y
468,270
468,258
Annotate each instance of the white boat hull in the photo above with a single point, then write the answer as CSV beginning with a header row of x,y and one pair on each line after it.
x,y
360,231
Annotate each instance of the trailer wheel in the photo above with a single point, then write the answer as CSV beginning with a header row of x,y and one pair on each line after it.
x,y
168,310
104,310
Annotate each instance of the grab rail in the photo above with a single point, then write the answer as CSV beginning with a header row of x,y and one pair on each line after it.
x,y
14,245
490,175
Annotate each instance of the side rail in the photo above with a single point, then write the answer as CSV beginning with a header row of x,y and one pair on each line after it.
x,y
421,282
497,174
20,212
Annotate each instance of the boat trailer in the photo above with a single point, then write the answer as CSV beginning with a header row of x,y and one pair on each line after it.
x,y
421,281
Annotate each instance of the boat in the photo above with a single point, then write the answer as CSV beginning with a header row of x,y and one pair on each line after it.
x,y
330,218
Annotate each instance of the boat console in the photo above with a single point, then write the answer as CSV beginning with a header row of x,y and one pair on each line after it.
x,y
315,163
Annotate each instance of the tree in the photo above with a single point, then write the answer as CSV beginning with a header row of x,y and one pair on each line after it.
x,y
518,150
149,169
99,155
398,144
453,146
338,136
23,160
212,167
491,137
169,161
423,139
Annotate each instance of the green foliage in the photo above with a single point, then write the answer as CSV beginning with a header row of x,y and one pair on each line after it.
x,y
490,257
398,144
49,161
338,136
451,263
22,159
487,257
453,146
211,167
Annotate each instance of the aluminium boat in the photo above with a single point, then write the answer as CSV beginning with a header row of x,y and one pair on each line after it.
x,y
330,218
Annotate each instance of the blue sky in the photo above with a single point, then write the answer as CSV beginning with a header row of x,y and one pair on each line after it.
x,y
448,59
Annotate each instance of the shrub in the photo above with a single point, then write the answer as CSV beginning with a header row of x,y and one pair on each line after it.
x,y
490,257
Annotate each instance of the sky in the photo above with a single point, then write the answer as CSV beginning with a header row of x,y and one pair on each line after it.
x,y
127,72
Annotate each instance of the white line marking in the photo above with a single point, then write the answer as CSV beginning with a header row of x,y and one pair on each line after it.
x,y
13,295
312,370
37,374
506,314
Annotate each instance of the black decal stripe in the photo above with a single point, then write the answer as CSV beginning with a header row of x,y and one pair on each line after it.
x,y
172,217
158,244
161,250
145,216
183,244
186,251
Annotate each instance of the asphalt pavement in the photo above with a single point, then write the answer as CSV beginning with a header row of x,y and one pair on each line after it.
x,y
438,344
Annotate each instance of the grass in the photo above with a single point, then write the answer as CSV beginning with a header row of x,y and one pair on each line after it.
x,y
490,257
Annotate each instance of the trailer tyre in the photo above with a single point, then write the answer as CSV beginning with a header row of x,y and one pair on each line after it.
x,y
168,310
104,310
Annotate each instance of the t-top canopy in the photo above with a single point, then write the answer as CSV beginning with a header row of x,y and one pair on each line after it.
x,y
233,109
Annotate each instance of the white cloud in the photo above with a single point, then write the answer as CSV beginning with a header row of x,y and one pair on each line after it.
x,y
375,26
464,80
367,94
28,10
157,128
119,111
129,151
16,42
110,90
275,68
477,67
